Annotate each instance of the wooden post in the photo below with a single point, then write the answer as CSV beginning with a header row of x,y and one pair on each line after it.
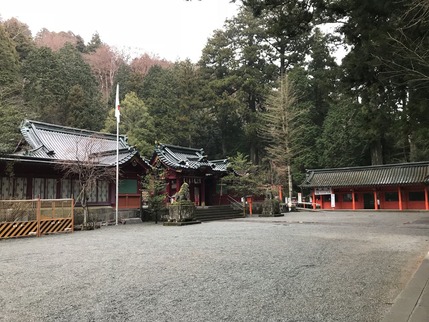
x,y
72,215
353,200
280,193
203,192
38,209
249,202
426,198
313,199
375,200
178,183
168,186
400,198
53,209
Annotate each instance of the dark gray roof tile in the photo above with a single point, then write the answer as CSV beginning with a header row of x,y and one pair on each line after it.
x,y
382,175
178,157
60,143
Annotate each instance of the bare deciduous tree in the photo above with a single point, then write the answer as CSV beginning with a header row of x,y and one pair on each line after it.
x,y
85,166
279,129
55,40
411,43
104,64
142,64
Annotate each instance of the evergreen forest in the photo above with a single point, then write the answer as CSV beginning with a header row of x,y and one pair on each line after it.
x,y
357,70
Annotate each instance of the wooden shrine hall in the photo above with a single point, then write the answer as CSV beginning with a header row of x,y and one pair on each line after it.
x,y
191,165
34,169
401,186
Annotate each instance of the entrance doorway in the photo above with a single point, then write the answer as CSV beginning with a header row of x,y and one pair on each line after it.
x,y
197,195
368,201
210,190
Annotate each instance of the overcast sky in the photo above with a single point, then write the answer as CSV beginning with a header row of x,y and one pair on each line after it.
x,y
171,29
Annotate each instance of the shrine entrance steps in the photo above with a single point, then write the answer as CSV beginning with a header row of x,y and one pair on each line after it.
x,y
210,213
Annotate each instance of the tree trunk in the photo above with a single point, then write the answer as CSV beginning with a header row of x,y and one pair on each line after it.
x,y
84,208
412,148
85,215
282,57
223,146
289,177
253,153
376,153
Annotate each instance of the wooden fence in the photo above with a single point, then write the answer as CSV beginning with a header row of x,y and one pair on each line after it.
x,y
36,217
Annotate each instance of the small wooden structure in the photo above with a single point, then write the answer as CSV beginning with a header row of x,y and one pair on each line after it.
x,y
403,186
36,217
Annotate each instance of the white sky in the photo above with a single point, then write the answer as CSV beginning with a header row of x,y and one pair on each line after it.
x,y
171,29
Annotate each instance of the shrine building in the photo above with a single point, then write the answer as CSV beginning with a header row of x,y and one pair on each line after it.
x,y
191,165
34,170
401,186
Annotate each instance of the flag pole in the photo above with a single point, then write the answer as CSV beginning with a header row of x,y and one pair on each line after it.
x,y
117,149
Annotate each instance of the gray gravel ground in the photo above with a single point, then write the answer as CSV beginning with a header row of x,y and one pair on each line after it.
x,y
305,266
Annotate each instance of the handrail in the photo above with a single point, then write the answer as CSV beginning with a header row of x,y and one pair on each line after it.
x,y
234,203
305,204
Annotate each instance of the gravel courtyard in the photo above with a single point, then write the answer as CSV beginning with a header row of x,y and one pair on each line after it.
x,y
306,266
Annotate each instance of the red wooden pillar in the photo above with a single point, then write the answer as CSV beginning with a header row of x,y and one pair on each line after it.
x,y
168,189
249,202
280,193
400,198
203,192
375,200
313,198
426,198
353,200
178,183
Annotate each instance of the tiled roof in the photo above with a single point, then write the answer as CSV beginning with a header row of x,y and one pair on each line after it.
x,y
178,157
382,175
60,143
221,165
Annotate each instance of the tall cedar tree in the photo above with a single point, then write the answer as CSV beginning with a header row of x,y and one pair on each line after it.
x,y
242,47
154,184
12,109
136,124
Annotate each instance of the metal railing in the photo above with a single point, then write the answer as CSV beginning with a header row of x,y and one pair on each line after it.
x,y
306,205
235,204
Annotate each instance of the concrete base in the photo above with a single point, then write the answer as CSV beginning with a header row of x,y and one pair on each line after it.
x,y
181,223
271,215
129,221
412,304
89,226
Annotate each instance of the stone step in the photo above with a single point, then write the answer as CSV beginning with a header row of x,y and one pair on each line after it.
x,y
217,213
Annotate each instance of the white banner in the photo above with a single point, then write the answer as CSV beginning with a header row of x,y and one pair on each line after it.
x,y
332,200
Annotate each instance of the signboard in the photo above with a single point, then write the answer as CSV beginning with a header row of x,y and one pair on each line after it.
x,y
332,200
322,191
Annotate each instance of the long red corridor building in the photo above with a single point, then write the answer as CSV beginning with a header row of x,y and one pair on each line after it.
x,y
393,186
